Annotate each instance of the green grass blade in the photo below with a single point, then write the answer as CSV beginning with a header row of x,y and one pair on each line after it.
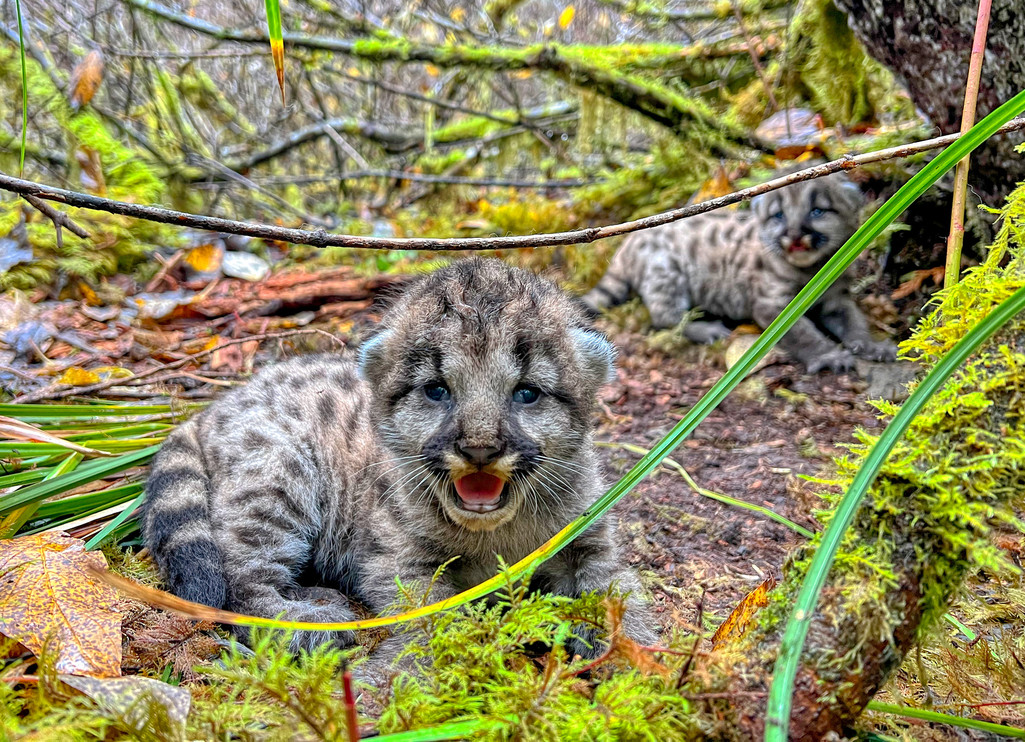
x,y
15,519
113,525
57,412
277,43
938,718
24,88
780,695
88,472
717,496
89,503
772,335
468,729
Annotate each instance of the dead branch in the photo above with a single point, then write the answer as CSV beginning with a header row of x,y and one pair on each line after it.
x,y
321,238
660,105
59,219
59,391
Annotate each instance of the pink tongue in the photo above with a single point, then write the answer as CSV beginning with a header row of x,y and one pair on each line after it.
x,y
479,488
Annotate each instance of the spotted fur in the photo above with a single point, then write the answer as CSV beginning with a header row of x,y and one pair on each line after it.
x,y
323,479
747,266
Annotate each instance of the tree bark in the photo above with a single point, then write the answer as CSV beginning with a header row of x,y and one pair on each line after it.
x,y
927,44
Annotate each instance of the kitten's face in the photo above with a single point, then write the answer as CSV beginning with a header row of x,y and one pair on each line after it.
x,y
486,376
807,222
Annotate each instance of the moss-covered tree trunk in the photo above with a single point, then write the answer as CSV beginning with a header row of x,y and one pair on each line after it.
x,y
927,44
924,525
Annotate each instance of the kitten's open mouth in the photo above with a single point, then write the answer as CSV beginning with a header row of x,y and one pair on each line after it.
x,y
480,492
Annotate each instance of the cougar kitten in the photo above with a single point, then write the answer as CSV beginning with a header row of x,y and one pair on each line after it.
x,y
463,433
745,266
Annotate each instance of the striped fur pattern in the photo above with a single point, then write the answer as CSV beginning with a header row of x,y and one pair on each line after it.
x,y
323,479
747,266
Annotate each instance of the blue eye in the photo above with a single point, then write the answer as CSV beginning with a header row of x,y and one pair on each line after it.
x,y
526,394
779,216
437,392
816,213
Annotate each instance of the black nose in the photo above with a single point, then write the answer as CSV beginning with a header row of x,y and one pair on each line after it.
x,y
480,455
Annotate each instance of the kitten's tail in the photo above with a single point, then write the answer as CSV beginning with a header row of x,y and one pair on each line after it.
x,y
612,290
176,521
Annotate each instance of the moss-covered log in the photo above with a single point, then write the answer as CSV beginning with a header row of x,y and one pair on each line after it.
x,y
959,470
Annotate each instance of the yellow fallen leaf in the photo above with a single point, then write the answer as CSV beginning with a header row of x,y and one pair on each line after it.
x,y
566,17
737,623
716,186
75,376
50,600
432,70
112,372
522,74
205,258
457,14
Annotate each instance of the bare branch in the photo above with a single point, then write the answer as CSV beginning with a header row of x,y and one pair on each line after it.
x,y
59,219
320,238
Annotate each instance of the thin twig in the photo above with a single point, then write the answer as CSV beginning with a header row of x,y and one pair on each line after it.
x,y
759,69
55,392
321,238
59,219
971,97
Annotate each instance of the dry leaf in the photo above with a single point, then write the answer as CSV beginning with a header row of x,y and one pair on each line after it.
x,y
22,431
76,376
566,17
736,624
131,699
914,283
457,15
86,79
49,598
716,186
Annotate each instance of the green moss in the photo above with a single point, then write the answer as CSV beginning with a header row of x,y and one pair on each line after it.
x,y
117,243
829,68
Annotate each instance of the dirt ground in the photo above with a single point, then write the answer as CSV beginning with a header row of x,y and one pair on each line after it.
x,y
781,423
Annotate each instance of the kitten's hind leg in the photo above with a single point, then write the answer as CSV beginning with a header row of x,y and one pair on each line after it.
x,y
705,332
664,292
264,534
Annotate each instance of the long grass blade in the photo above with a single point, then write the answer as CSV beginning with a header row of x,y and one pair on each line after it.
x,y
938,718
807,298
87,472
277,43
777,720
24,88
118,520
15,519
468,729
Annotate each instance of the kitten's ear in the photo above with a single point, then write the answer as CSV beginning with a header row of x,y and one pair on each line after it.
x,y
371,355
760,205
597,355
851,194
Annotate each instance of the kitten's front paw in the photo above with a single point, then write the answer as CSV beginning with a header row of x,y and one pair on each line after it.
x,y
875,350
837,361
320,605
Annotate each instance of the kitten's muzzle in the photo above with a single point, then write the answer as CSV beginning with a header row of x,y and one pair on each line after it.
x,y
480,455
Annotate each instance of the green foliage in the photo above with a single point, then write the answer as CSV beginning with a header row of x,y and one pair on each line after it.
x,y
484,669
956,473
269,694
829,68
117,243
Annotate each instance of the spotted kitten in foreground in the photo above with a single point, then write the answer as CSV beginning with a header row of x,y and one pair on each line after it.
x,y
745,266
465,431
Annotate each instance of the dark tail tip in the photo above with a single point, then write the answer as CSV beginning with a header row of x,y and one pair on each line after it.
x,y
194,572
